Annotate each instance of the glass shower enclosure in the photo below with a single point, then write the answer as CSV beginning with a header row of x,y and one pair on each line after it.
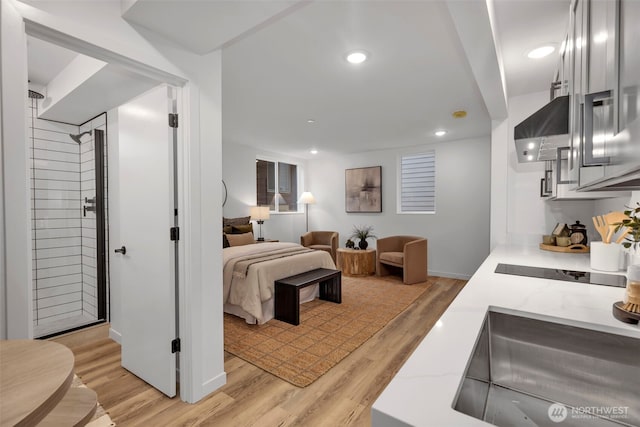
x,y
69,218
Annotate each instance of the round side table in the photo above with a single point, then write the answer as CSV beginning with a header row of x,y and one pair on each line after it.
x,y
356,262
35,377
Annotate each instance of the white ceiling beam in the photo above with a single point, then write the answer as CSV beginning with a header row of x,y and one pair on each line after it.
x,y
473,22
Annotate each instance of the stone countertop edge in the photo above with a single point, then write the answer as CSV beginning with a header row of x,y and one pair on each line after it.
x,y
423,391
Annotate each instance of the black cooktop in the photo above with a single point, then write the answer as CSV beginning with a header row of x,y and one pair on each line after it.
x,y
566,275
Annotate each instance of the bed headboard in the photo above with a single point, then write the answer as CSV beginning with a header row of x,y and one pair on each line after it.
x,y
240,225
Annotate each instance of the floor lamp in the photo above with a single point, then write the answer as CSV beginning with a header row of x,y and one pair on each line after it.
x,y
308,199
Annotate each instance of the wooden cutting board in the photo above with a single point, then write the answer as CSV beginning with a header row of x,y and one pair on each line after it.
x,y
572,249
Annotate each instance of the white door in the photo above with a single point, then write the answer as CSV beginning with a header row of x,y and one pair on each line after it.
x,y
147,269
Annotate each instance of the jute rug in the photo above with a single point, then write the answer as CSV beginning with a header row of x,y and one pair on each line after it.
x,y
100,418
328,332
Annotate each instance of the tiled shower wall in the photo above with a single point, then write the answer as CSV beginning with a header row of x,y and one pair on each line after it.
x,y
64,264
56,226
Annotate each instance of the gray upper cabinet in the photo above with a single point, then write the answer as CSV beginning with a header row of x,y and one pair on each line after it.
x,y
600,77
629,102
575,87
606,140
601,46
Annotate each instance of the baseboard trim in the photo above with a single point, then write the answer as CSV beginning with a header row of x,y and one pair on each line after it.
x,y
449,275
115,335
210,386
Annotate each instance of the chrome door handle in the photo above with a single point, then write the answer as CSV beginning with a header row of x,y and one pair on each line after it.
x,y
599,100
122,250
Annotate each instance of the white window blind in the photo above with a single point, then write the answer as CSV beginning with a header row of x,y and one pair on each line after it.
x,y
418,182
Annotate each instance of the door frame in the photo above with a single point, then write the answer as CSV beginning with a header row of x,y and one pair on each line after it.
x,y
200,76
187,382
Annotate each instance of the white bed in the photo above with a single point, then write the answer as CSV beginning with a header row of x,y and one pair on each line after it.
x,y
248,291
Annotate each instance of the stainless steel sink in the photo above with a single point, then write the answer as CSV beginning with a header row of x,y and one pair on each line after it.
x,y
530,372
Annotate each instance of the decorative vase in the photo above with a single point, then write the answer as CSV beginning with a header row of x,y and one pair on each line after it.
x,y
350,244
363,244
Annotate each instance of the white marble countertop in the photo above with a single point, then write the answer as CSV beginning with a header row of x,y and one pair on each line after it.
x,y
423,391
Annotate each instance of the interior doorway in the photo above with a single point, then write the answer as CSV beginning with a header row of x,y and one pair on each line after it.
x,y
68,193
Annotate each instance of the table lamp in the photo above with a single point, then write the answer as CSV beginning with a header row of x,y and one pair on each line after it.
x,y
259,214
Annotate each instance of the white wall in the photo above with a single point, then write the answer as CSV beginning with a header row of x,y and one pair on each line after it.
x,y
458,233
499,182
17,275
3,277
239,174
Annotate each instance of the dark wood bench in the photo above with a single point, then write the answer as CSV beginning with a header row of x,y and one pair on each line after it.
x,y
287,292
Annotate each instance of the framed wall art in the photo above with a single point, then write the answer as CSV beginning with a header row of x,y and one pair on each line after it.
x,y
363,189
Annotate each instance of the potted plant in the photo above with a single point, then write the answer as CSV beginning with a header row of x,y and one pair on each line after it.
x,y
632,228
631,302
363,232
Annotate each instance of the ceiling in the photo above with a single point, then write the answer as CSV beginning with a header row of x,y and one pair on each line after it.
x,y
50,66
523,25
283,65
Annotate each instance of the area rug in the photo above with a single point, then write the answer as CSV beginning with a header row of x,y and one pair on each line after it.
x,y
327,333
100,418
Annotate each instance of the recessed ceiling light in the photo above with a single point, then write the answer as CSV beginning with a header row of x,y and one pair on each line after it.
x,y
541,52
440,132
531,145
530,157
314,151
311,121
460,114
357,56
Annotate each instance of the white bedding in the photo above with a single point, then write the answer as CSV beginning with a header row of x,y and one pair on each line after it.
x,y
251,297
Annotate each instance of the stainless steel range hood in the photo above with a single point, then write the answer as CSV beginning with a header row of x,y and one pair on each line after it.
x,y
540,135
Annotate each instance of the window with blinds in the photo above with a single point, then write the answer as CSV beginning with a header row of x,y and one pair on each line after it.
x,y
418,183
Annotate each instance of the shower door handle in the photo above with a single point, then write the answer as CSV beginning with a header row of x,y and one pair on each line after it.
x,y
122,250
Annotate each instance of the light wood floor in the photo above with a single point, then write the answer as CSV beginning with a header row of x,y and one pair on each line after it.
x,y
253,397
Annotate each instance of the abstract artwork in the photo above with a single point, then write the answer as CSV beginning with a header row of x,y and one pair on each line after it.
x,y
363,188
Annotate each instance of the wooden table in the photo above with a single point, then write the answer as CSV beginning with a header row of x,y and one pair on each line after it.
x,y
34,377
357,262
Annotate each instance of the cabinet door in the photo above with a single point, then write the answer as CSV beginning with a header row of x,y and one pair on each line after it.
x,y
566,69
601,46
629,101
622,142
574,46
600,107
624,149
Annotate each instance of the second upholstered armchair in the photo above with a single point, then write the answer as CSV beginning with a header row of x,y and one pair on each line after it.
x,y
322,240
406,252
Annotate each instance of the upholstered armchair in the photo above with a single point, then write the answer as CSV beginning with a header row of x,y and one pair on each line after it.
x,y
322,240
406,252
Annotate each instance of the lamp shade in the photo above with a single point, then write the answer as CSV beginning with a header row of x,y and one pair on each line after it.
x,y
259,213
278,199
307,198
